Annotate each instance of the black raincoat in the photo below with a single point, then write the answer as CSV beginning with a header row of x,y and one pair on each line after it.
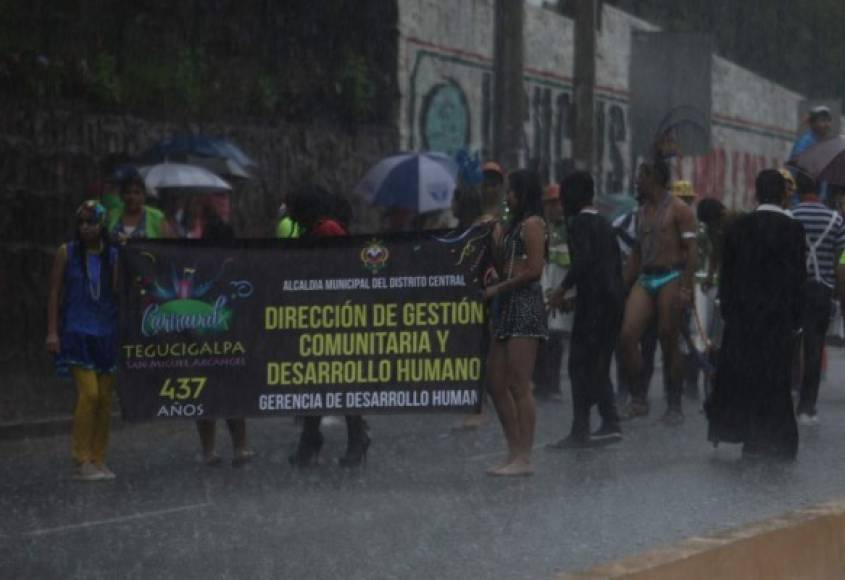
x,y
760,288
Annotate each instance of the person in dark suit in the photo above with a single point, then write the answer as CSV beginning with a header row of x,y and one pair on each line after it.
x,y
596,276
760,287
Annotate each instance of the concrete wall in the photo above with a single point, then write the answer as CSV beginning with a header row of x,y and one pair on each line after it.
x,y
445,68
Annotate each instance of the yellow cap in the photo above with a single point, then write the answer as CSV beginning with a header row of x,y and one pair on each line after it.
x,y
683,189
787,176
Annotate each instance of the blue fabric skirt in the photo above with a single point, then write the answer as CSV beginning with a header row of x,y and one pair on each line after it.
x,y
95,353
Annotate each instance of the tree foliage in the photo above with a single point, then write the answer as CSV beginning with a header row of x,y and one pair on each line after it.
x,y
295,59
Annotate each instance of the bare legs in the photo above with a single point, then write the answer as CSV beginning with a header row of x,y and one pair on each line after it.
x,y
511,366
237,431
639,310
669,315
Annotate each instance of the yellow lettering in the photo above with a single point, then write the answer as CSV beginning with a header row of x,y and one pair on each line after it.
x,y
273,374
271,318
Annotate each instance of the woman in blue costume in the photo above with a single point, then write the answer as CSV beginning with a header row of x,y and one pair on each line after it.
x,y
82,333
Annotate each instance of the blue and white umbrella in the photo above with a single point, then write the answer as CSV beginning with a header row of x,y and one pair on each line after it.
x,y
417,181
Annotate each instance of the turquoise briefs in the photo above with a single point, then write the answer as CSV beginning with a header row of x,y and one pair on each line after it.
x,y
652,283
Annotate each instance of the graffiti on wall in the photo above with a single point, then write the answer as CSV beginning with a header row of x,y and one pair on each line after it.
x,y
725,174
449,108
445,118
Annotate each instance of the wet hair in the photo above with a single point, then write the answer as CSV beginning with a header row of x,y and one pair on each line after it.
x,y
308,204
467,205
770,187
491,196
709,210
576,192
804,184
820,113
494,178
134,179
340,209
659,170
105,262
215,228
526,185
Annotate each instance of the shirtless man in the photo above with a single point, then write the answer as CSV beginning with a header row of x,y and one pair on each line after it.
x,y
660,274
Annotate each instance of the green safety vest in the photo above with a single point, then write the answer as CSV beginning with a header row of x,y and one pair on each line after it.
x,y
560,255
152,216
288,229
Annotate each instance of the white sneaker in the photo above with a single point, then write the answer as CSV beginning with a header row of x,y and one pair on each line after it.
x,y
104,469
331,421
88,472
806,420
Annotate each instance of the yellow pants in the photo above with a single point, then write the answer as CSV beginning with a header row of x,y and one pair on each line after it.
x,y
92,418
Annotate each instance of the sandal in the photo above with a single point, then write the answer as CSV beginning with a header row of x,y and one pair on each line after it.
x,y
242,457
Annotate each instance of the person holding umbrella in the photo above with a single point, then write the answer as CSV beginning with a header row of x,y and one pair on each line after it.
x,y
819,122
519,320
413,188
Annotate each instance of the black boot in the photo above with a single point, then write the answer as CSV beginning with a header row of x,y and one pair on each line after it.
x,y
358,442
310,443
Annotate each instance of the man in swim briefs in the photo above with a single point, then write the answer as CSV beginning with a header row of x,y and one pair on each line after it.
x,y
660,277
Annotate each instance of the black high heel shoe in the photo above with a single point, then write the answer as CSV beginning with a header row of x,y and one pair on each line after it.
x,y
356,452
307,451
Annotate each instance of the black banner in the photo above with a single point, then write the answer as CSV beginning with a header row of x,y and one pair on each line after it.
x,y
267,327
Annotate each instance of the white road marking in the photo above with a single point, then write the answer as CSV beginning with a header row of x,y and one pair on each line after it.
x,y
84,525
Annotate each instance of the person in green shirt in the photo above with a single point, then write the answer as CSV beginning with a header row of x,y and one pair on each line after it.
x,y
135,220
114,168
546,376
286,227
716,219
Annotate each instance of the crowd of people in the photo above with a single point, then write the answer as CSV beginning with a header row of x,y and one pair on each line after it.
x,y
773,274
630,285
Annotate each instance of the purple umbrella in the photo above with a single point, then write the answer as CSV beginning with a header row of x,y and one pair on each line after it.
x,y
824,161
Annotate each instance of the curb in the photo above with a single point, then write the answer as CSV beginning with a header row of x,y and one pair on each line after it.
x,y
46,427
807,543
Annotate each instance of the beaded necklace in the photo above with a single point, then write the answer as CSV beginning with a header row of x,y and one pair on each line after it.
x,y
648,238
94,289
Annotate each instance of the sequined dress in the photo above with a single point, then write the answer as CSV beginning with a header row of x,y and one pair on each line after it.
x,y
519,312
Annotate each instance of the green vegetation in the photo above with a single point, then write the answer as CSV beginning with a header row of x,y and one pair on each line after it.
x,y
356,87
297,59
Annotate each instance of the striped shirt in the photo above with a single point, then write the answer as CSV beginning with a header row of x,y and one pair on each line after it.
x,y
816,217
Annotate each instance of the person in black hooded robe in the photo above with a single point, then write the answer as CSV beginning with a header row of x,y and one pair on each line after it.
x,y
760,289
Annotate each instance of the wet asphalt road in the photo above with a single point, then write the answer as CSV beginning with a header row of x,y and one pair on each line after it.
x,y
422,507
